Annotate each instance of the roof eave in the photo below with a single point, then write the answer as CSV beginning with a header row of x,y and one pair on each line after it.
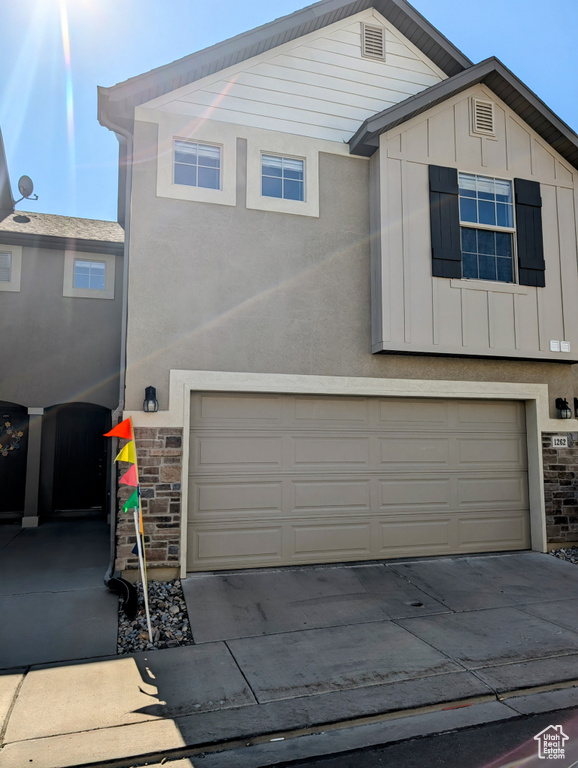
x,y
53,242
501,81
118,101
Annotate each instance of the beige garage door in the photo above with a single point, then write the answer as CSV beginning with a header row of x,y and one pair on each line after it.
x,y
282,480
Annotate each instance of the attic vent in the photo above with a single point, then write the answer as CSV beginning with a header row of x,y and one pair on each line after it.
x,y
483,117
5,267
373,42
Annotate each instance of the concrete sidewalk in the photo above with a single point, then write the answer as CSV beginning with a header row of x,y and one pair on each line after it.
x,y
53,603
322,648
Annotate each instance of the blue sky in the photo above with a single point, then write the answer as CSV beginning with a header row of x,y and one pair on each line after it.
x,y
54,54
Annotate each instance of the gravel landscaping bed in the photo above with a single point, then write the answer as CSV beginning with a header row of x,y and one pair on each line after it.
x,y
169,620
566,553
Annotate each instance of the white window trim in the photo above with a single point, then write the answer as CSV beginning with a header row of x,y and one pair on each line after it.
x,y
68,288
172,129
13,285
283,145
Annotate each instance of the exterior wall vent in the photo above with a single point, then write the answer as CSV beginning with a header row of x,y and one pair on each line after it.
x,y
483,117
373,42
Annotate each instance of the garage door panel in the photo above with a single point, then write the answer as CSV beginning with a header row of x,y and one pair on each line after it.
x,y
352,413
331,495
489,491
303,479
227,546
339,450
413,451
494,533
492,451
491,415
410,493
330,541
237,410
228,452
401,535
238,498
421,414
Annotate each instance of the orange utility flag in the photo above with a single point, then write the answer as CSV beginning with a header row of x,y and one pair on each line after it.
x,y
127,453
124,430
130,477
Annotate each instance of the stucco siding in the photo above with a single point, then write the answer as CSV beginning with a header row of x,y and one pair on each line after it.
x,y
58,349
223,288
425,314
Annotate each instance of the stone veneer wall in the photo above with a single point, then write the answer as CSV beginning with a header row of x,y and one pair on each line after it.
x,y
561,490
159,456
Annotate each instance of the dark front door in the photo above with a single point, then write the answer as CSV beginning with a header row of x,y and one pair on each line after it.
x,y
13,454
80,460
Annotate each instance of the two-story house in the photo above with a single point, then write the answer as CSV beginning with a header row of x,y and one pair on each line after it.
x,y
352,280
60,341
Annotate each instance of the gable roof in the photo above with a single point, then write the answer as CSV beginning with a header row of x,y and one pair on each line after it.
x,y
501,81
116,104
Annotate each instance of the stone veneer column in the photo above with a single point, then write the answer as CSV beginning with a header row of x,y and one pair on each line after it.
x,y
159,454
560,491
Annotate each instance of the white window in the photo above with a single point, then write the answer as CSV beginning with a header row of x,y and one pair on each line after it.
x,y
487,227
10,267
5,266
88,275
197,165
282,177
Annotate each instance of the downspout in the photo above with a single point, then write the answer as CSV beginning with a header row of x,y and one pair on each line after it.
x,y
125,138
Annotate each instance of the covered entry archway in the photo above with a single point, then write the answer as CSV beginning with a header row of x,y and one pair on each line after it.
x,y
74,476
13,457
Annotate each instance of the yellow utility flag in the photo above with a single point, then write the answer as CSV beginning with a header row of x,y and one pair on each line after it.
x,y
127,453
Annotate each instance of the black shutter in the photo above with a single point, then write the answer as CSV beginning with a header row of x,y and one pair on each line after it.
x,y
445,222
529,233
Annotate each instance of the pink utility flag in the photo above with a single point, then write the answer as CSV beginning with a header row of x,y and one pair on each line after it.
x,y
130,477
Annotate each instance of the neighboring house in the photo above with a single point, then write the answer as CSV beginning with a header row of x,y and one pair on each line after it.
x,y
353,281
60,339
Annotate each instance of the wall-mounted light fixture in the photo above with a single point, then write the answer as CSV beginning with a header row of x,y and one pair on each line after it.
x,y
151,404
564,411
576,407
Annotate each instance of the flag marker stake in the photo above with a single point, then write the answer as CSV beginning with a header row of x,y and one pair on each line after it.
x,y
142,572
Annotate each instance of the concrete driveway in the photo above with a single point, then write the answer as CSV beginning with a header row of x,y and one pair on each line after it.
x,y
279,651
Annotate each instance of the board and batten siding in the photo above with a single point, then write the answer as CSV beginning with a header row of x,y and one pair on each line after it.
x,y
318,86
415,312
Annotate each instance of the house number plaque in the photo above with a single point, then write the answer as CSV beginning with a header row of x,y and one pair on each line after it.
x,y
559,441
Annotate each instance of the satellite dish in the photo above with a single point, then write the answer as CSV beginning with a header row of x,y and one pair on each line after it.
x,y
25,186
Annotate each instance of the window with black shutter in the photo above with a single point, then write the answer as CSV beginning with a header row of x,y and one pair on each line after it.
x,y
473,227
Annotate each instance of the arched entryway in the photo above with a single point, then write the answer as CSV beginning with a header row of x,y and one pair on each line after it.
x,y
13,456
75,467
